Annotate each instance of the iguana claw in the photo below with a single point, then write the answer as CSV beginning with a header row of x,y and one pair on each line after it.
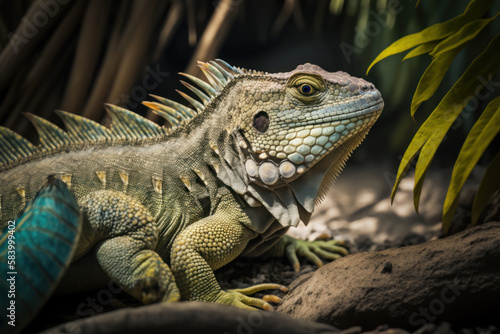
x,y
239,297
313,250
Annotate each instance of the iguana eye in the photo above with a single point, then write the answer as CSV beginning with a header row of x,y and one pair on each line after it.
x,y
307,89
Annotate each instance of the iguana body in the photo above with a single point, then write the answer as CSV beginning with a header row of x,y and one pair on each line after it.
x,y
164,208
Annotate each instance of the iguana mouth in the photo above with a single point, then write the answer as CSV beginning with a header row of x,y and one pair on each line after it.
x,y
307,146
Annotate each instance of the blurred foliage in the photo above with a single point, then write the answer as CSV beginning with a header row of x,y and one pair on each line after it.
x,y
377,23
443,41
80,54
77,55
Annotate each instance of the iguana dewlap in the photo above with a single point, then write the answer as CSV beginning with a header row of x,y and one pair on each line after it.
x,y
164,207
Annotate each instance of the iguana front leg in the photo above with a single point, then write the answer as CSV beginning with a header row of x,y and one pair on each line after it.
x,y
206,246
125,235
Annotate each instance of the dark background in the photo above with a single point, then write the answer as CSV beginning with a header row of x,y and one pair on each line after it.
x,y
77,55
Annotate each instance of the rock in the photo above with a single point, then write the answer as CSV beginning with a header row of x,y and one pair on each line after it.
x,y
191,317
453,279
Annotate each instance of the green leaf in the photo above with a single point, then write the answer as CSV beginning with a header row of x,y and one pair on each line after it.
x,y
431,79
421,170
443,55
475,10
432,132
464,35
480,136
421,49
489,184
417,188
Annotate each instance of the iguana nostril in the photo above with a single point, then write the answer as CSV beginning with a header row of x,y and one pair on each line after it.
x,y
261,121
353,88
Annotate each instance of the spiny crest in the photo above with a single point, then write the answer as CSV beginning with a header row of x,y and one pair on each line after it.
x,y
218,73
126,126
252,72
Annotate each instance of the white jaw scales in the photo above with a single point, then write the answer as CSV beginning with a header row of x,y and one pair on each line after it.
x,y
297,151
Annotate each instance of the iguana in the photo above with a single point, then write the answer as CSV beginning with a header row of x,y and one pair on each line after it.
x,y
163,207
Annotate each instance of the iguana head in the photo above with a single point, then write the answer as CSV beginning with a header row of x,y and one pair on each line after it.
x,y
287,135
290,121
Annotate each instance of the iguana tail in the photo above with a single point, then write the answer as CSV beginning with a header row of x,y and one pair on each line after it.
x,y
35,250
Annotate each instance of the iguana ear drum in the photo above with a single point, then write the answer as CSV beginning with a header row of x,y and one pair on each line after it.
x,y
261,121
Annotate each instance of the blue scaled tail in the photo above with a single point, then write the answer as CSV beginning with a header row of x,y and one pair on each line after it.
x,y
35,250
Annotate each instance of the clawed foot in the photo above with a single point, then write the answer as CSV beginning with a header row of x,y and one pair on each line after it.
x,y
313,250
150,291
239,297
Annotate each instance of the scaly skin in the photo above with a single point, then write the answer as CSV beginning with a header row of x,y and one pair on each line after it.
x,y
164,208
207,245
142,273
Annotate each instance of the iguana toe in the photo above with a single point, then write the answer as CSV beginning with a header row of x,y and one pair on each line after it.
x,y
314,251
240,298
260,287
272,299
150,290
